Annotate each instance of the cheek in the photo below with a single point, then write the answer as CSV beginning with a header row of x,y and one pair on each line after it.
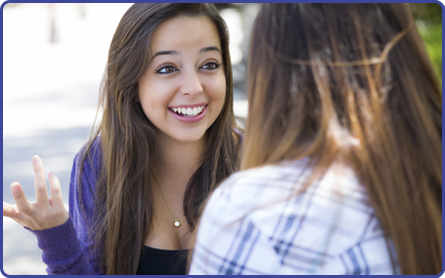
x,y
148,102
217,90
154,97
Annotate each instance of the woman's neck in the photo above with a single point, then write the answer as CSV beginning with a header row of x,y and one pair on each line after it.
x,y
176,162
180,159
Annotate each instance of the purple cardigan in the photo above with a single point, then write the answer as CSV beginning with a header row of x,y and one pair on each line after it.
x,y
66,248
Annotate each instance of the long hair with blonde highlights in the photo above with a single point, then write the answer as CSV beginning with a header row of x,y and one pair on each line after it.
x,y
353,83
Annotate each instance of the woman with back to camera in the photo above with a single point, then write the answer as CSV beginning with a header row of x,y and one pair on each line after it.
x,y
166,139
342,151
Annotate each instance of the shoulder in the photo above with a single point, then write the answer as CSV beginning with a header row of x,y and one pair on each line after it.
x,y
261,184
238,131
238,134
91,151
270,183
277,199
88,161
274,210
245,195
84,175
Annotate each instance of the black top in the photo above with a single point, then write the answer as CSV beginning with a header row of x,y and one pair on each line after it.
x,y
162,262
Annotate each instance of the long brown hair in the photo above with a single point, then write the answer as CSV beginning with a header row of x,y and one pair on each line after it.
x,y
353,83
128,145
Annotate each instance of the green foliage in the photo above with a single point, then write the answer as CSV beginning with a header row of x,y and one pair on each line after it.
x,y
428,17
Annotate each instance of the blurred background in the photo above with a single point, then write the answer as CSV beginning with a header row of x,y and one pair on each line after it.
x,y
53,59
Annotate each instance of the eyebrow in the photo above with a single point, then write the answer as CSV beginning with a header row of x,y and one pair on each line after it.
x,y
210,48
167,52
174,52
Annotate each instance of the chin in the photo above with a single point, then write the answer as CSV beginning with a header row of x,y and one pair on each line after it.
x,y
187,137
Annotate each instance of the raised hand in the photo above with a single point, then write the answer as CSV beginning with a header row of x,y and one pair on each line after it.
x,y
43,214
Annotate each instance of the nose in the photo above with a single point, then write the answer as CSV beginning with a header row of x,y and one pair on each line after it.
x,y
191,84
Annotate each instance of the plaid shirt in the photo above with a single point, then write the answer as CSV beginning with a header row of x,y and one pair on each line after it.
x,y
257,222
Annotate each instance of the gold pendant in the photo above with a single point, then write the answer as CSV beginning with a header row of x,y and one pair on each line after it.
x,y
177,223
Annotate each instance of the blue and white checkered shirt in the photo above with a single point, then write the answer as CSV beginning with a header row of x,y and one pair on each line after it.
x,y
257,222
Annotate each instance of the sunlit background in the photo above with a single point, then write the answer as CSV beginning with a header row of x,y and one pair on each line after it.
x,y
53,59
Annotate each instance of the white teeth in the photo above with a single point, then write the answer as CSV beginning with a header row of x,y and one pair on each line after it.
x,y
189,111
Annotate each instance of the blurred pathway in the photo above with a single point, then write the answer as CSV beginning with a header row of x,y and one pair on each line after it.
x,y
50,96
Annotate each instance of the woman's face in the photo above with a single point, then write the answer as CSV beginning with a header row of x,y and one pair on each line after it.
x,y
184,87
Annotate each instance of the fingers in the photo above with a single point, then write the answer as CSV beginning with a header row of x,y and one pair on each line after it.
x,y
40,182
44,213
20,200
56,191
10,210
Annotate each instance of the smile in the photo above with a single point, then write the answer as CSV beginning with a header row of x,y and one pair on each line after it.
x,y
188,111
189,114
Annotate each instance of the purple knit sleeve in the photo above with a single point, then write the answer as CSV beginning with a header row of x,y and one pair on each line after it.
x,y
67,249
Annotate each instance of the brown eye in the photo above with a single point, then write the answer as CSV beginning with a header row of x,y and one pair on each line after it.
x,y
166,69
211,66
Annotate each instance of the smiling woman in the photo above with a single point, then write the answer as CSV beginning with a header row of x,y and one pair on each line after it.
x,y
186,74
166,139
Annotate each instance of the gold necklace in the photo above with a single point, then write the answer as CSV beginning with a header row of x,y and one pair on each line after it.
x,y
177,223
